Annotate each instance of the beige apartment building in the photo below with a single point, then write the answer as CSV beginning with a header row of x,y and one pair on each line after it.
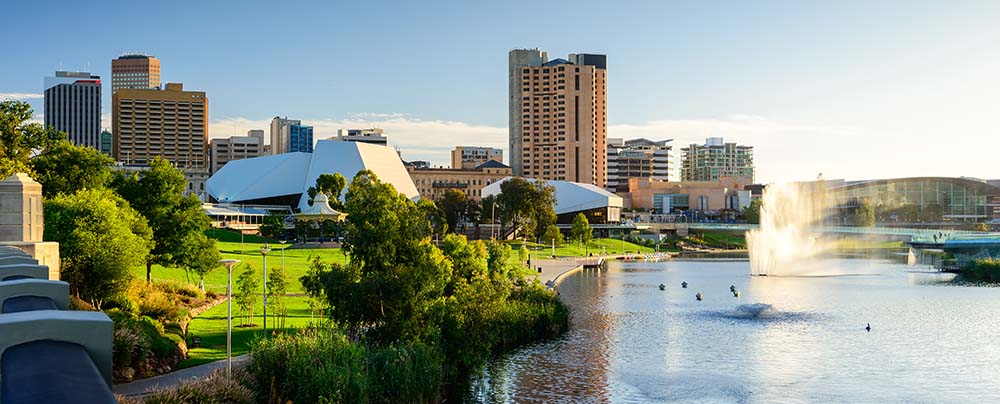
x,y
171,123
135,71
432,183
558,118
236,148
473,156
724,193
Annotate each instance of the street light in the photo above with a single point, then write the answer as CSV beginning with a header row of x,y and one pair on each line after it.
x,y
283,253
263,251
229,316
493,219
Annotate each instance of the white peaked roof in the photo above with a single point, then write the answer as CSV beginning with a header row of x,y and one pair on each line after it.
x,y
570,196
293,173
320,209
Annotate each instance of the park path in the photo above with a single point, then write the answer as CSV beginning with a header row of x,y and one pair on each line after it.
x,y
144,386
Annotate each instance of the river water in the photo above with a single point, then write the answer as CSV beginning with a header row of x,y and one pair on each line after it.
x,y
930,340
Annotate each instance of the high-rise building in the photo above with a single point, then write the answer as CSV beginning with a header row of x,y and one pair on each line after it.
x,y
280,136
466,157
73,105
106,139
171,123
370,135
300,138
558,116
135,71
716,159
636,158
236,148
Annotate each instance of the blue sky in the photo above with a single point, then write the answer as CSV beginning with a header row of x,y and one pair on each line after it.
x,y
848,89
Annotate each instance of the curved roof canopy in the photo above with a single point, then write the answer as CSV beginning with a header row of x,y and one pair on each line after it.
x,y
293,173
570,196
320,210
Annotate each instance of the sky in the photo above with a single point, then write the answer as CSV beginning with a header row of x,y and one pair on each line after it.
x,y
846,89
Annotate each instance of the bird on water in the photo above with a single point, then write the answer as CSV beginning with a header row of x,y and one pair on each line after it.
x,y
868,327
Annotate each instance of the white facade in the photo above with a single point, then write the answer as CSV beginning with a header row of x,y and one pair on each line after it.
x,y
291,174
571,196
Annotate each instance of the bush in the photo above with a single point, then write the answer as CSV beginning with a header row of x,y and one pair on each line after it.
x,y
982,270
324,366
214,389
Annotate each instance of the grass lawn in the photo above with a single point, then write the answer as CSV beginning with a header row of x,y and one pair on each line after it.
x,y
724,239
596,246
210,326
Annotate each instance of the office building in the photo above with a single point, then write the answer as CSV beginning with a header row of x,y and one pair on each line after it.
x,y
637,158
300,138
473,156
711,198
236,148
106,139
558,116
716,159
73,105
136,71
289,135
170,123
370,135
432,183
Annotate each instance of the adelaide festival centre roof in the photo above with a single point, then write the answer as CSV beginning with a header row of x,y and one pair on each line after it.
x,y
293,173
570,196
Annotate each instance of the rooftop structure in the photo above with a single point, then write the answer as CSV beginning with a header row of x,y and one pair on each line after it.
x,y
370,135
599,205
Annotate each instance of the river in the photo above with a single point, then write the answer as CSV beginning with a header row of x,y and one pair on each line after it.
x,y
931,341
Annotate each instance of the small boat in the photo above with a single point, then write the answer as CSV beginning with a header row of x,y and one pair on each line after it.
x,y
663,287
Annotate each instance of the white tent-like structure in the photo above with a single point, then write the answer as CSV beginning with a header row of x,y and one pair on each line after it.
x,y
287,177
575,197
320,211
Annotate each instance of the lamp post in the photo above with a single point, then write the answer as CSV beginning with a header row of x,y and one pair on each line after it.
x,y
263,251
283,253
493,219
229,316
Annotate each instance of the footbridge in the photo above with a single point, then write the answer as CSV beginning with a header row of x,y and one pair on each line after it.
x,y
931,236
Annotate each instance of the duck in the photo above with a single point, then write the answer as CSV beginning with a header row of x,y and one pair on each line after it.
x,y
732,288
698,296
736,293
868,327
684,284
663,287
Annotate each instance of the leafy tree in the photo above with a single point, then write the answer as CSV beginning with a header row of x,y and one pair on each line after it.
x,y
752,212
203,257
330,184
454,206
552,234
273,225
247,285
100,238
396,277
277,288
177,221
66,168
19,139
528,205
468,258
435,216
581,231
864,215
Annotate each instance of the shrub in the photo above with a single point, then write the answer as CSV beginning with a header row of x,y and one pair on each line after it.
x,y
982,270
214,389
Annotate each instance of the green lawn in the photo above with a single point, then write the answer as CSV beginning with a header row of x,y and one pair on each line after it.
x,y
597,246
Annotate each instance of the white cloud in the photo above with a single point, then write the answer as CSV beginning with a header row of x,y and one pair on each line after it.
x,y
20,96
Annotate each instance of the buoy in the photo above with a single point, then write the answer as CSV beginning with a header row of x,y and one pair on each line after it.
x,y
684,284
663,287
698,296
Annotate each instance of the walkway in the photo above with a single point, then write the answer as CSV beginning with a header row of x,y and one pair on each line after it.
x,y
144,386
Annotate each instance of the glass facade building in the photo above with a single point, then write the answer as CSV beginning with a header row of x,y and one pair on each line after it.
x,y
300,138
922,198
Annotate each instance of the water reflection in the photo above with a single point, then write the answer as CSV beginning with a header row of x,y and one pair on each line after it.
x,y
634,343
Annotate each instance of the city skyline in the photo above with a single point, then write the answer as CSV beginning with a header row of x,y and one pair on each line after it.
x,y
883,87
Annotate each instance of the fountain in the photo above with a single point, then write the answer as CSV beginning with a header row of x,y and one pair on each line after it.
x,y
785,244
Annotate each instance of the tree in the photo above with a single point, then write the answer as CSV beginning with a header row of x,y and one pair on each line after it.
x,y
552,234
581,231
454,205
396,277
20,139
528,205
202,258
273,225
177,221
864,215
752,212
247,285
66,168
435,216
100,239
277,288
330,184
